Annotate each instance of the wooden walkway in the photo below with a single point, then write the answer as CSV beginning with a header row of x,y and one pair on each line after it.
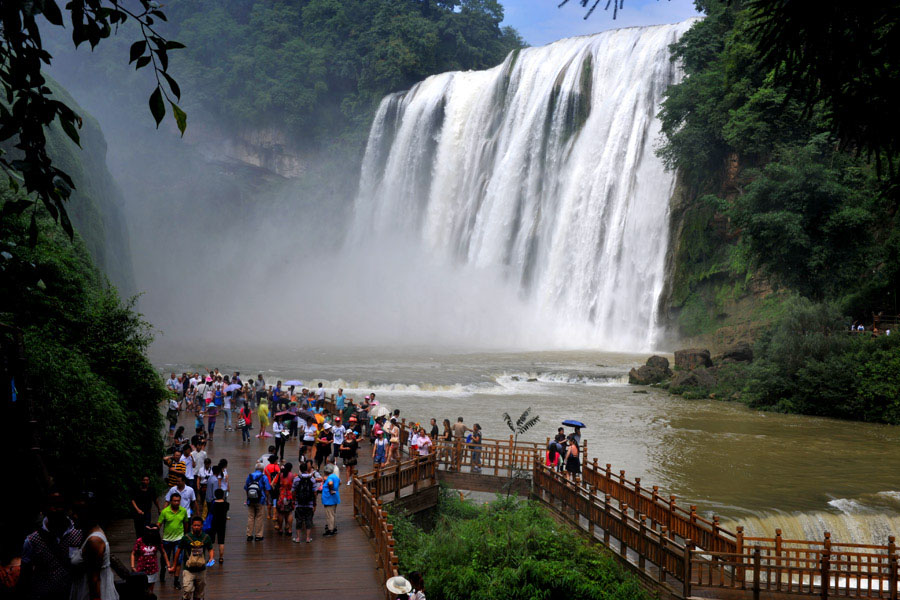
x,y
341,566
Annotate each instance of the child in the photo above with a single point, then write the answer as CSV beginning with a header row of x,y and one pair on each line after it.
x,y
379,450
145,554
212,411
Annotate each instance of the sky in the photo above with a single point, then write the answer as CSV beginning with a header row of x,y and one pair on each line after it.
x,y
541,22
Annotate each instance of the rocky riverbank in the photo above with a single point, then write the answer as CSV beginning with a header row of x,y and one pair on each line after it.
x,y
695,370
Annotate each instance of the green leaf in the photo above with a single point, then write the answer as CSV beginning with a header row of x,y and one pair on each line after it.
x,y
173,85
157,106
70,130
51,12
180,117
137,50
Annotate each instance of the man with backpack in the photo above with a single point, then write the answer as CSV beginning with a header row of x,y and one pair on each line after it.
x,y
256,486
304,488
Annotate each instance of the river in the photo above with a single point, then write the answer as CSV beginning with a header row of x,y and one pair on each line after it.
x,y
805,475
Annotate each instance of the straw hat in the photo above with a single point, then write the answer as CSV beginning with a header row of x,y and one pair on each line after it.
x,y
398,585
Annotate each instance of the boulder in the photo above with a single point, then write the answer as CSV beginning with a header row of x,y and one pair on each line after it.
x,y
740,352
692,358
698,378
660,362
646,375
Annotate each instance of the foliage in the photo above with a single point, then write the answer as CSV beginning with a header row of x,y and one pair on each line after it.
x,y
315,69
28,107
508,549
810,363
96,394
522,424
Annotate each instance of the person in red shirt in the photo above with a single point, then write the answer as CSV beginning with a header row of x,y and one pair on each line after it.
x,y
272,470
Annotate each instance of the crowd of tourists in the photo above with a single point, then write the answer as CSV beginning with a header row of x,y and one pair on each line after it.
x,y
68,556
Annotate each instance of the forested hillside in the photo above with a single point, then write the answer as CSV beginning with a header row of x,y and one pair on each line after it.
x,y
788,228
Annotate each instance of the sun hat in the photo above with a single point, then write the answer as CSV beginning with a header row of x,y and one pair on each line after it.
x,y
398,585
327,426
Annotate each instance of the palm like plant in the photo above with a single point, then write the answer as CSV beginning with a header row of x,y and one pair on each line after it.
x,y
521,425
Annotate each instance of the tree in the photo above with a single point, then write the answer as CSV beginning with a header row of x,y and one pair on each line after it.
x,y
522,424
27,105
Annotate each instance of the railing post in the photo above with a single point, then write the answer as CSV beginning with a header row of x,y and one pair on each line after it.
x,y
663,554
778,546
592,495
756,560
416,480
892,576
623,549
687,569
740,550
671,516
397,490
641,550
457,456
608,518
825,573
637,493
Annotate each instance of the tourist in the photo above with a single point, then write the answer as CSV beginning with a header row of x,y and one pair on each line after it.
x,y
193,547
212,413
172,384
263,413
93,579
304,492
219,510
459,433
379,450
260,386
331,498
576,435
573,465
187,494
213,483
280,433
394,449
199,457
399,586
142,501
177,468
310,433
284,505
172,415
337,433
256,487
146,554
46,571
424,442
348,450
203,477
172,521
272,470
223,478
323,445
340,399
476,448
226,410
446,441
190,467
561,445
418,586
320,395
264,459
434,433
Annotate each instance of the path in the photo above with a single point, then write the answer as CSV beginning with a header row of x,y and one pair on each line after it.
x,y
341,566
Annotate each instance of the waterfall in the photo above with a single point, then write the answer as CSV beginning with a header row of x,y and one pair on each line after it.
x,y
541,170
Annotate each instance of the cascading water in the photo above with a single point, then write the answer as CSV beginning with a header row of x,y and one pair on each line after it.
x,y
543,168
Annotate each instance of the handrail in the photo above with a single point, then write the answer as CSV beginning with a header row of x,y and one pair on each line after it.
x,y
368,511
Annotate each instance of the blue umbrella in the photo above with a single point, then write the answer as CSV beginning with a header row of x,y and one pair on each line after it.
x,y
294,383
573,423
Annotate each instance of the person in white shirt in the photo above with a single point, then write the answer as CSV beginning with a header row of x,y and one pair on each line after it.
x,y
320,394
338,432
188,496
423,442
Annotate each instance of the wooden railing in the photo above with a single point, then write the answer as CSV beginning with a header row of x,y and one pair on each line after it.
x,y
417,472
370,514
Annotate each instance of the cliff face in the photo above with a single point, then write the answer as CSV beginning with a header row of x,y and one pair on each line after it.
x,y
265,148
96,205
713,296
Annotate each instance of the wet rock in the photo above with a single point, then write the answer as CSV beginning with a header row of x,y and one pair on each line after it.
x,y
698,378
532,380
647,375
692,358
639,391
740,352
660,362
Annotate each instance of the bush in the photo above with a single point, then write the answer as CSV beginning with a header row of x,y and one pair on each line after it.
x,y
508,549
95,394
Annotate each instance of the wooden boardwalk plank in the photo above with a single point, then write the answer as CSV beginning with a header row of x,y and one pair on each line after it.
x,y
341,566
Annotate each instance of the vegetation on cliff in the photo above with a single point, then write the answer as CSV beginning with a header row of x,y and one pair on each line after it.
x,y
507,549
94,392
787,221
